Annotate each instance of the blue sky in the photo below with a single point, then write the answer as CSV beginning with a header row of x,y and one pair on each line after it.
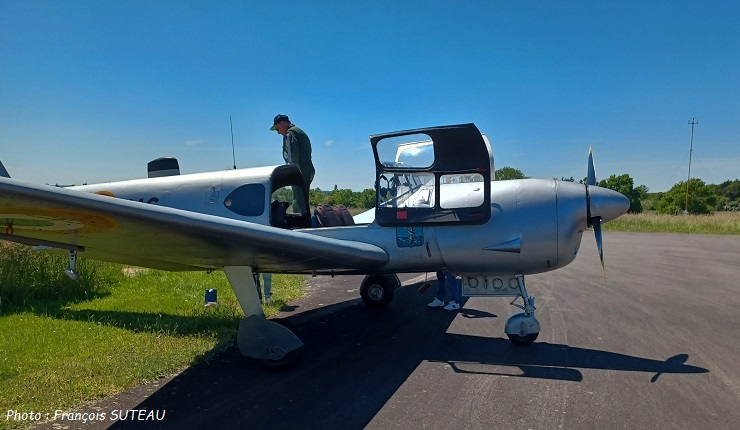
x,y
90,91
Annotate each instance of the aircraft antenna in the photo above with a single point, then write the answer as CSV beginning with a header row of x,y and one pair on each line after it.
x,y
693,122
233,153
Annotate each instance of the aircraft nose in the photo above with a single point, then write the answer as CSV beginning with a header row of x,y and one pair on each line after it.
x,y
607,204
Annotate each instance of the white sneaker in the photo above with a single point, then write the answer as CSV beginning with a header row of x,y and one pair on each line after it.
x,y
436,303
452,306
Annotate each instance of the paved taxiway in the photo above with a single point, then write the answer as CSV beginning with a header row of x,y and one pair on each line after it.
x,y
654,346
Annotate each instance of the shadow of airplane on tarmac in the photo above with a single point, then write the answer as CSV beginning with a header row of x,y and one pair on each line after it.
x,y
355,360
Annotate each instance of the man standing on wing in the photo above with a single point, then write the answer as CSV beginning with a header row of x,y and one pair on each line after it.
x,y
296,150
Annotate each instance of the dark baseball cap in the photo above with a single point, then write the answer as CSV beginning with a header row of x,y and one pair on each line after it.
x,y
278,119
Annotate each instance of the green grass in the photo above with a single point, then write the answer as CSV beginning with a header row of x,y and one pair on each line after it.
x,y
717,223
63,343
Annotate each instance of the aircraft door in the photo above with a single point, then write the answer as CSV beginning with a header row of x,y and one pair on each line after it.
x,y
437,175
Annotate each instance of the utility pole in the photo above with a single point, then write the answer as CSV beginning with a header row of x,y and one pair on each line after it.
x,y
693,122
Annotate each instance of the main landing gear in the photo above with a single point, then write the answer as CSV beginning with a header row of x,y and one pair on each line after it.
x,y
273,344
377,290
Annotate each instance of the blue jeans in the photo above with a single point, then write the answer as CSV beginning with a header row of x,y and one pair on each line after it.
x,y
447,283
267,284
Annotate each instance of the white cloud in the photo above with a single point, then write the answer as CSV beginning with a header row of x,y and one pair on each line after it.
x,y
329,143
193,142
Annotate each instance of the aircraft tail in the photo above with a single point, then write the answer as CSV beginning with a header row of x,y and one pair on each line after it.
x,y
4,173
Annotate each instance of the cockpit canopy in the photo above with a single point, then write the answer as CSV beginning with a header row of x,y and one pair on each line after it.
x,y
439,175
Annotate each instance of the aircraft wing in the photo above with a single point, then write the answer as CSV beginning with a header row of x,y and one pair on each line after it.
x,y
147,235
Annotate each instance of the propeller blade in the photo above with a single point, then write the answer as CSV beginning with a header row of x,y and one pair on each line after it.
x,y
596,223
599,196
591,171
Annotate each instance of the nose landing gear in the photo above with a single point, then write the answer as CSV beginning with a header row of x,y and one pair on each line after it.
x,y
522,328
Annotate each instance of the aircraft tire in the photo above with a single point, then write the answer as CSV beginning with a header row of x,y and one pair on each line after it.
x,y
286,362
377,290
522,340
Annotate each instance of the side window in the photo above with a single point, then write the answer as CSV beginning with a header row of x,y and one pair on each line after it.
x,y
461,191
247,200
406,190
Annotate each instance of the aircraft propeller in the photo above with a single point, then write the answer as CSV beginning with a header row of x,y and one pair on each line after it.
x,y
594,221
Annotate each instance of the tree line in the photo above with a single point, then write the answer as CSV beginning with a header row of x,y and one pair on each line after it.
x,y
702,198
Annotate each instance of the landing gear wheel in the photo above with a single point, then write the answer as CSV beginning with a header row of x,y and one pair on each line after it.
x,y
522,340
286,362
377,290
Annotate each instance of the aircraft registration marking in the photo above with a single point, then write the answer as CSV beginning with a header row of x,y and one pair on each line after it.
x,y
489,285
150,200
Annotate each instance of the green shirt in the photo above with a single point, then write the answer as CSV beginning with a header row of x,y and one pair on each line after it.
x,y
297,150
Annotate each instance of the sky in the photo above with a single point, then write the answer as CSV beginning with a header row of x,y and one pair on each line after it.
x,y
90,91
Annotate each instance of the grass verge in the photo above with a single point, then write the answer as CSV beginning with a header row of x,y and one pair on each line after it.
x,y
63,343
717,223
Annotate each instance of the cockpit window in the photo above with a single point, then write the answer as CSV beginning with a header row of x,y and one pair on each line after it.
x,y
413,151
400,190
247,200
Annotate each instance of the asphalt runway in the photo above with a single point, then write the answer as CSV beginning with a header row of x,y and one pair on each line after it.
x,y
655,345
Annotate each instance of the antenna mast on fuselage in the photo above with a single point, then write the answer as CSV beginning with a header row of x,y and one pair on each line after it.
x,y
233,152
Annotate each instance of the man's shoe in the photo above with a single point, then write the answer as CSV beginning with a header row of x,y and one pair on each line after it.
x,y
436,303
452,306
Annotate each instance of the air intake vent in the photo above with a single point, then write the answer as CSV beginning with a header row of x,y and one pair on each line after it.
x,y
165,166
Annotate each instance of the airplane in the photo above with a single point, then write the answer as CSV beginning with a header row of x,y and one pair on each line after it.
x,y
438,207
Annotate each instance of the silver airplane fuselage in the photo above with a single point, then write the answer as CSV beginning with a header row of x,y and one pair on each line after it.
x,y
535,225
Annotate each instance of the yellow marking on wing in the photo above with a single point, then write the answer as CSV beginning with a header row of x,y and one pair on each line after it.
x,y
56,220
